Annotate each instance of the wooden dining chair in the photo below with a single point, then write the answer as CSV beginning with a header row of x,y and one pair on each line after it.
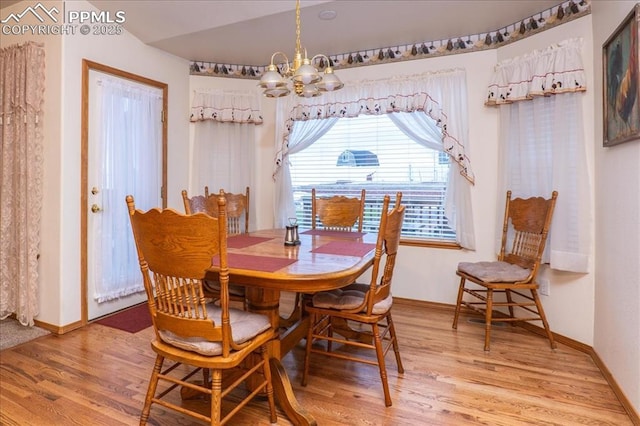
x,y
237,223
337,213
366,304
195,204
237,211
524,235
175,251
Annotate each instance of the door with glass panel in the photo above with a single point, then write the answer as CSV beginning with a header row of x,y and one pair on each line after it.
x,y
124,155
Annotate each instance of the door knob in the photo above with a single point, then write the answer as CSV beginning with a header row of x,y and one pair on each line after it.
x,y
95,208
94,190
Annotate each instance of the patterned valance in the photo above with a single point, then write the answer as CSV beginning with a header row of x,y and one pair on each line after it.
x,y
226,106
556,69
436,94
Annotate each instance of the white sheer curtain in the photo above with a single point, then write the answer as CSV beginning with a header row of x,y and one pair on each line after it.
x,y
129,155
424,130
441,96
223,157
224,140
303,134
542,146
21,163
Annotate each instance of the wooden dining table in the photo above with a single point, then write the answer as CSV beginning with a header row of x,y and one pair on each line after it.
x,y
324,260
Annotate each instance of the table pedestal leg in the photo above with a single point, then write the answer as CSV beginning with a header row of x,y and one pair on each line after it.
x,y
266,301
284,395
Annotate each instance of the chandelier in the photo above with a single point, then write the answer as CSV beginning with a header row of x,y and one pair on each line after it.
x,y
307,80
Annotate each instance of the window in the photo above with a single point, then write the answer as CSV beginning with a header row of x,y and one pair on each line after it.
x,y
543,150
370,152
542,142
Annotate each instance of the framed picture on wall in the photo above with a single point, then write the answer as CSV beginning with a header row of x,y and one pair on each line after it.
x,y
621,85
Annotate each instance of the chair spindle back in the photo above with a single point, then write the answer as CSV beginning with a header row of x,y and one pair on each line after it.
x,y
175,251
525,230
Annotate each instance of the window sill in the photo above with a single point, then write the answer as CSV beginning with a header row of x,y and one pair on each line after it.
x,y
431,243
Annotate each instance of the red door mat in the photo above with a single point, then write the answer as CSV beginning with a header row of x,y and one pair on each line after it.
x,y
132,319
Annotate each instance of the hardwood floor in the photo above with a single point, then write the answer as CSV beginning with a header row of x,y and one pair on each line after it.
x,y
98,376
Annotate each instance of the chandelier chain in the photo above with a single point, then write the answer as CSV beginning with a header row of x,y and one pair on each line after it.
x,y
298,44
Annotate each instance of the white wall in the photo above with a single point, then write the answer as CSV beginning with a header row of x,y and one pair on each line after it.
x,y
617,192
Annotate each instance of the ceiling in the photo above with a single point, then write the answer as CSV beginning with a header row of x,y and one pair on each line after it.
x,y
248,32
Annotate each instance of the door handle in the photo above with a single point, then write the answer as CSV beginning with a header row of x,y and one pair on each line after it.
x,y
95,208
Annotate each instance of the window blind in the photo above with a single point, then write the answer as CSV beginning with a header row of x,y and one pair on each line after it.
x,y
370,152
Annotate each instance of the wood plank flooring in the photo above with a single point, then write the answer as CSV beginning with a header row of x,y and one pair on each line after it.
x,y
98,376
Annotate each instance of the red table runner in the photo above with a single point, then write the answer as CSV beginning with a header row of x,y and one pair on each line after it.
x,y
254,263
242,241
345,248
336,234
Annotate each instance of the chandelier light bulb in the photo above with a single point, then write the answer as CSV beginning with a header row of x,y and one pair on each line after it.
x,y
306,73
277,93
330,81
272,81
310,91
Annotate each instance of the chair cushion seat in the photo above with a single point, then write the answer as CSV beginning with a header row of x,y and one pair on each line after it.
x,y
234,289
349,297
496,271
244,326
